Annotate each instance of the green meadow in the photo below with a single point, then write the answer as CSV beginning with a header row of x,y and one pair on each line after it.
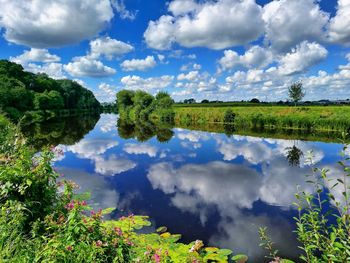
x,y
311,118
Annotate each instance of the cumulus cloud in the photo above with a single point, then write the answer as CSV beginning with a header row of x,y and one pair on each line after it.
x,y
49,23
214,25
302,58
41,61
88,67
89,148
112,165
53,70
339,29
154,83
106,92
288,23
191,76
94,149
35,55
144,148
256,56
108,47
139,64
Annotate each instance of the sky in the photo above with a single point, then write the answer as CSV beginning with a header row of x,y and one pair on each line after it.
x,y
228,50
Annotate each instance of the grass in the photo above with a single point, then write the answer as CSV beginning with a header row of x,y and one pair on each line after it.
x,y
314,118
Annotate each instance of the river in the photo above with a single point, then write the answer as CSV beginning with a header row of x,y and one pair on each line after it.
x,y
203,185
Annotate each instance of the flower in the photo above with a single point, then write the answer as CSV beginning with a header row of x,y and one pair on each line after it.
x,y
156,258
98,243
119,231
69,248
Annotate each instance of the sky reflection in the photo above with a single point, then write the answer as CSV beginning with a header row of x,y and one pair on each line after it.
x,y
203,185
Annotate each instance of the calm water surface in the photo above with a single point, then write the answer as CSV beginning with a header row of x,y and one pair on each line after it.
x,y
202,185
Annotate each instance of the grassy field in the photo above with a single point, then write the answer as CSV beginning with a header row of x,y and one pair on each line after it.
x,y
320,118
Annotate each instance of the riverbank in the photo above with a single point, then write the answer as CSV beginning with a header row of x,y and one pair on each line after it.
x,y
314,118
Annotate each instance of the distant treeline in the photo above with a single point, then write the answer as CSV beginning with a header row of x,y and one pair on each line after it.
x,y
22,91
255,102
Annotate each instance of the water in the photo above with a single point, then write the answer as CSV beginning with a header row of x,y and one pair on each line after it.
x,y
202,185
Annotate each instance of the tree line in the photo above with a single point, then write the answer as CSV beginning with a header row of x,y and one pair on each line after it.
x,y
22,91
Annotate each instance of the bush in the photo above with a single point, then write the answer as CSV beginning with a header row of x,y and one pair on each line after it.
x,y
229,116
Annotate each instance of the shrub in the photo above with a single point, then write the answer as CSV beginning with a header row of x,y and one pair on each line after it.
x,y
229,116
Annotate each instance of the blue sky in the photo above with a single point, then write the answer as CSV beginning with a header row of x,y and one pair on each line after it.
x,y
223,49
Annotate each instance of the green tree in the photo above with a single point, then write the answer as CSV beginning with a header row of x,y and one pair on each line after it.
x,y
296,92
125,98
163,100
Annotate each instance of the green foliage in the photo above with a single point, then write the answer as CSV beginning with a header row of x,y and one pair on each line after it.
x,y
325,235
144,131
22,91
229,116
139,105
296,92
323,223
48,100
315,118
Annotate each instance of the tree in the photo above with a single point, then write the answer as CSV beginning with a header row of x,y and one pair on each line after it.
x,y
296,92
255,100
205,101
125,98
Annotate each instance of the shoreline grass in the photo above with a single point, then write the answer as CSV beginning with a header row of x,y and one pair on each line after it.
x,y
313,118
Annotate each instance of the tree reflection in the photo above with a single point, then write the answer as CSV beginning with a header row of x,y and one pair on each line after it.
x,y
67,131
144,131
293,155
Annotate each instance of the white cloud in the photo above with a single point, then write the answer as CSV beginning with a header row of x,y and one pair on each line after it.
x,y
191,76
49,23
106,93
136,82
119,5
302,58
256,56
35,55
215,25
159,34
145,148
109,48
139,64
339,29
182,7
287,23
90,148
112,165
53,70
88,67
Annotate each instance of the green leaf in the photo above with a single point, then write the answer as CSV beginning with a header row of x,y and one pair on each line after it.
x,y
108,211
240,258
161,229
224,252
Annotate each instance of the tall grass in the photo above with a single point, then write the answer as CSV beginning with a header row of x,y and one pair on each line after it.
x,y
333,118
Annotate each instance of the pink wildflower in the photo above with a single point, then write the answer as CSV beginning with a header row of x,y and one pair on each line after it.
x,y
69,248
98,243
118,231
156,258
